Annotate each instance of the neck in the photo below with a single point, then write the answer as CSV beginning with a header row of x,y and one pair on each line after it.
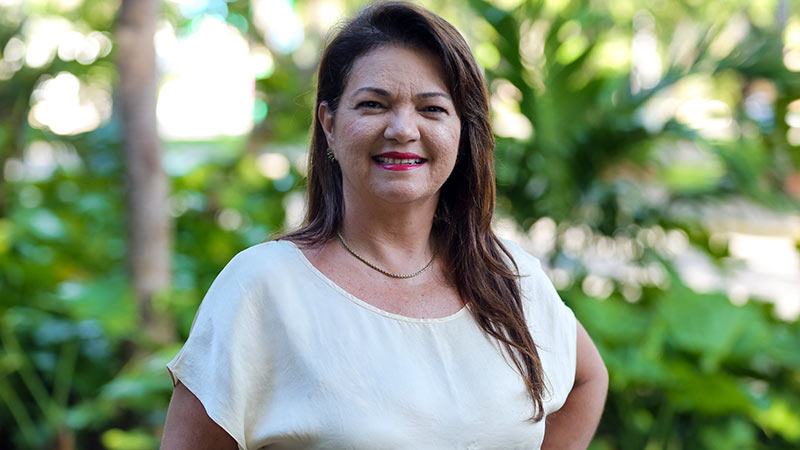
x,y
395,236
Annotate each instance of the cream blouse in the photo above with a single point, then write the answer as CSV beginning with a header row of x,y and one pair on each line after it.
x,y
283,358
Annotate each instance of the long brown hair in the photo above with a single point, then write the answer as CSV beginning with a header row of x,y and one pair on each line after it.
x,y
481,268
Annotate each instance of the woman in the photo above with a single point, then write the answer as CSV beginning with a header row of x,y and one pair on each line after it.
x,y
394,318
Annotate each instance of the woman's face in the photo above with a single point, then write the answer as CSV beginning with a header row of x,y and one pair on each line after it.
x,y
396,132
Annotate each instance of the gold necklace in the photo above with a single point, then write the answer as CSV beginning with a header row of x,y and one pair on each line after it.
x,y
385,272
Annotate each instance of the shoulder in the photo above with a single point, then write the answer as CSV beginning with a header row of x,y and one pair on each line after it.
x,y
243,294
263,256
544,307
261,262
249,277
527,264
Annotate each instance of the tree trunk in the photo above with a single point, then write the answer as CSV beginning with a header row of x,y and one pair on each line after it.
x,y
148,218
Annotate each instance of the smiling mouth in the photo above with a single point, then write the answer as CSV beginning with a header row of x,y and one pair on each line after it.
x,y
397,161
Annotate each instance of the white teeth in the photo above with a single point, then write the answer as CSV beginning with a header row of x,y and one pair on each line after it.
x,y
384,160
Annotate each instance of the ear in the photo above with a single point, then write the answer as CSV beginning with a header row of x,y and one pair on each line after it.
x,y
325,117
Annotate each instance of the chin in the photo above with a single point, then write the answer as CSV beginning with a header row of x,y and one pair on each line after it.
x,y
405,196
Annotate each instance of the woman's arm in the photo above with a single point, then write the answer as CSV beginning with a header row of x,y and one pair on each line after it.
x,y
573,426
189,427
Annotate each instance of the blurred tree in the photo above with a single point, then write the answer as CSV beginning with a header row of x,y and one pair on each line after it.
x,y
148,218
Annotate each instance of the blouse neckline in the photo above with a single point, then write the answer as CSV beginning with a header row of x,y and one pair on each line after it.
x,y
347,295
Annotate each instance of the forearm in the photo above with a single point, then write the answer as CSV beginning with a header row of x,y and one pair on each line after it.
x,y
573,426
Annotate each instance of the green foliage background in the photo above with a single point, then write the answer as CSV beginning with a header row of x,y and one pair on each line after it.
x,y
688,369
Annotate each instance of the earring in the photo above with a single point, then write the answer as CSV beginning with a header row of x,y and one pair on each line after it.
x,y
330,155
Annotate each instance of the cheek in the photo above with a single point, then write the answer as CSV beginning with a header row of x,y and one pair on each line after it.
x,y
446,141
356,132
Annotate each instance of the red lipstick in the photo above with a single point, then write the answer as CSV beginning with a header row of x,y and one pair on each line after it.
x,y
399,161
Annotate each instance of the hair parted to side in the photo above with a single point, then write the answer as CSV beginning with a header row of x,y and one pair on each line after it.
x,y
462,229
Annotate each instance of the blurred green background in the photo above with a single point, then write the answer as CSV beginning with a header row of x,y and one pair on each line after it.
x,y
648,151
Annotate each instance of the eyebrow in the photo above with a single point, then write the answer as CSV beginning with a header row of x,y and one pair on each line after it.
x,y
432,94
385,93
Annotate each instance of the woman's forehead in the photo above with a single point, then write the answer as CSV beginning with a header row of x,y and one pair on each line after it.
x,y
397,68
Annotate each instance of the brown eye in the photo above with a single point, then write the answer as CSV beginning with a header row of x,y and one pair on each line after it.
x,y
370,104
434,109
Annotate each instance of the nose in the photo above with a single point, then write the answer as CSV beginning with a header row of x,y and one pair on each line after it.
x,y
402,127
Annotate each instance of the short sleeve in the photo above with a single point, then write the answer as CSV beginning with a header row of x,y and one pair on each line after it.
x,y
222,363
552,325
